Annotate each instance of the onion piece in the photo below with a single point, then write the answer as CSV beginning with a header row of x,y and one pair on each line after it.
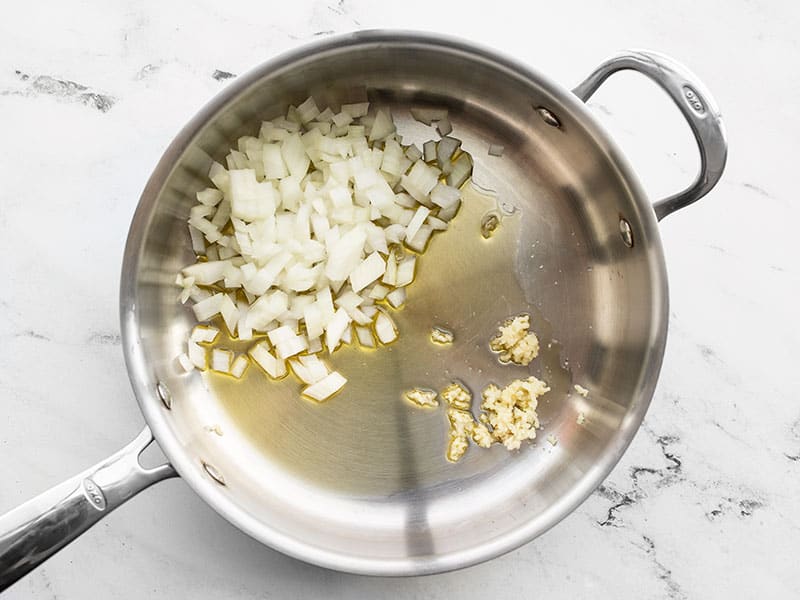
x,y
444,127
307,110
208,308
420,180
243,329
379,291
290,347
294,155
416,222
230,314
314,346
266,309
496,149
445,214
325,304
349,300
315,326
446,148
274,367
198,241
250,199
309,369
461,171
336,328
413,153
371,268
429,151
385,328
185,362
428,115
405,271
395,233
436,224
207,273
272,161
239,366
382,127
445,196
396,298
221,360
203,333
420,241
356,110
359,317
342,119
325,388
365,337
390,276
209,197
197,354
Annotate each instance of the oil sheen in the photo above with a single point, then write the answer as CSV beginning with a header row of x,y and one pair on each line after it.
x,y
367,440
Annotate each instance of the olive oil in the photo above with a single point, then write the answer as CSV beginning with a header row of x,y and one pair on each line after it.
x,y
367,440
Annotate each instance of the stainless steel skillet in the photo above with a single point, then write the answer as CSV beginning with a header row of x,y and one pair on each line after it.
x,y
360,483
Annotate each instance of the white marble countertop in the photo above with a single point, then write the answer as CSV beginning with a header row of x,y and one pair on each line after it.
x,y
703,505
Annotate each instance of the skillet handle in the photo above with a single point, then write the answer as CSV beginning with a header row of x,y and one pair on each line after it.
x,y
693,100
34,531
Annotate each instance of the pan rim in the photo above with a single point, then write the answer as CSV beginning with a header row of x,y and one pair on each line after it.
x,y
186,465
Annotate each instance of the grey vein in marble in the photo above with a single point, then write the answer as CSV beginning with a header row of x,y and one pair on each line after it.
x,y
63,89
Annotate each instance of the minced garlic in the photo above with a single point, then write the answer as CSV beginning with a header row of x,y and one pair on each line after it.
x,y
461,427
481,435
441,336
515,342
456,448
421,397
581,390
511,411
457,396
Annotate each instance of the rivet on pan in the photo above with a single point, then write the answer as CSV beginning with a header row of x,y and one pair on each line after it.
x,y
626,232
164,394
548,117
213,473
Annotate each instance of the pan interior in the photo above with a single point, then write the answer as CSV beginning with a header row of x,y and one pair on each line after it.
x,y
364,476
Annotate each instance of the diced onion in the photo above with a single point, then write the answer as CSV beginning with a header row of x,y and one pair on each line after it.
x,y
379,291
382,127
429,115
356,110
305,230
202,333
370,269
405,271
385,328
396,298
325,388
336,328
365,337
416,222
239,366
221,360
274,367
429,151
197,354
309,369
420,241
185,362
